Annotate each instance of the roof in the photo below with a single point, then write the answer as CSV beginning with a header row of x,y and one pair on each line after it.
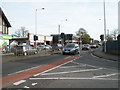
x,y
5,18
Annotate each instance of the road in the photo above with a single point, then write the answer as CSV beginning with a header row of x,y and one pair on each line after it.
x,y
86,71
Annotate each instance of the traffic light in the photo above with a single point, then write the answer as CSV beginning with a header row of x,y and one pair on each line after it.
x,y
62,35
102,37
35,37
69,36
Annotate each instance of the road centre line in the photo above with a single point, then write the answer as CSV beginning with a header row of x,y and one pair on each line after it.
x,y
108,75
86,70
71,78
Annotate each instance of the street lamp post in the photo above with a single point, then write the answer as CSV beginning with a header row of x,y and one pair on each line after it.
x,y
36,19
104,27
36,23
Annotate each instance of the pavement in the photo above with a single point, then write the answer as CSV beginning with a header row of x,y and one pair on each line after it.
x,y
96,52
99,53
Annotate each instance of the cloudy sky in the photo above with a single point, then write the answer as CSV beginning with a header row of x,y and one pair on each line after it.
x,y
87,14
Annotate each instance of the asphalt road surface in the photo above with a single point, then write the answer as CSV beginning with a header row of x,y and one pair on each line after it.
x,y
87,71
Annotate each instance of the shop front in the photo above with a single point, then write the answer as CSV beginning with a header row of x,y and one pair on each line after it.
x,y
4,42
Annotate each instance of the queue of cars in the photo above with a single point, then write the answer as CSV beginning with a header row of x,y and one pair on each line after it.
x,y
70,48
89,46
29,50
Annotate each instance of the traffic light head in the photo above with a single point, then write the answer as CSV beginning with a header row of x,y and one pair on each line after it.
x,y
35,37
102,37
62,35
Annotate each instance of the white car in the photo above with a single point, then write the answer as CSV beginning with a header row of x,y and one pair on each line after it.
x,y
47,47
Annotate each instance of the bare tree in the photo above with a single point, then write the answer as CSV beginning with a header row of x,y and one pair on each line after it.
x,y
21,32
114,34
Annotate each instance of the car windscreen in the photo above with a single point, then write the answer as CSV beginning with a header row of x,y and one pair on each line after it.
x,y
70,46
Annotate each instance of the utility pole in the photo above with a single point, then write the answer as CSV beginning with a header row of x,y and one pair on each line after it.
x,y
104,27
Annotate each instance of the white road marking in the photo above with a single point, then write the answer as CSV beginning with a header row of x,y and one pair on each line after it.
x,y
108,75
24,70
33,84
86,70
84,64
70,66
75,62
50,69
19,82
71,78
26,87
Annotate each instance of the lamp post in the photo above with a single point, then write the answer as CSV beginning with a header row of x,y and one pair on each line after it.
x,y
36,23
36,19
104,27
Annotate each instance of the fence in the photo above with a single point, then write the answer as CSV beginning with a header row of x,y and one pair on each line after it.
x,y
113,47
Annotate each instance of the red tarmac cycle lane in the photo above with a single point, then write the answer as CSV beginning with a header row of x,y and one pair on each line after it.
x,y
8,80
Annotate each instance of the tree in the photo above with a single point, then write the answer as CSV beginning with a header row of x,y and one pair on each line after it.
x,y
96,41
109,38
114,34
21,32
83,36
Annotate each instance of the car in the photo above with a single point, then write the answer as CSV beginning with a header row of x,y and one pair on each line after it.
x,y
47,47
71,48
59,46
25,50
40,47
92,45
86,47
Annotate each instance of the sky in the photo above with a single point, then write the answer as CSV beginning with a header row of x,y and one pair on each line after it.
x,y
87,14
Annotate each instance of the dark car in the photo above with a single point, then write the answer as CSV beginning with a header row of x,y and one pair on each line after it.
x,y
71,48
25,50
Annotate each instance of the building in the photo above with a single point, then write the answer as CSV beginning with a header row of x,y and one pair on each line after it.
x,y
4,31
29,40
